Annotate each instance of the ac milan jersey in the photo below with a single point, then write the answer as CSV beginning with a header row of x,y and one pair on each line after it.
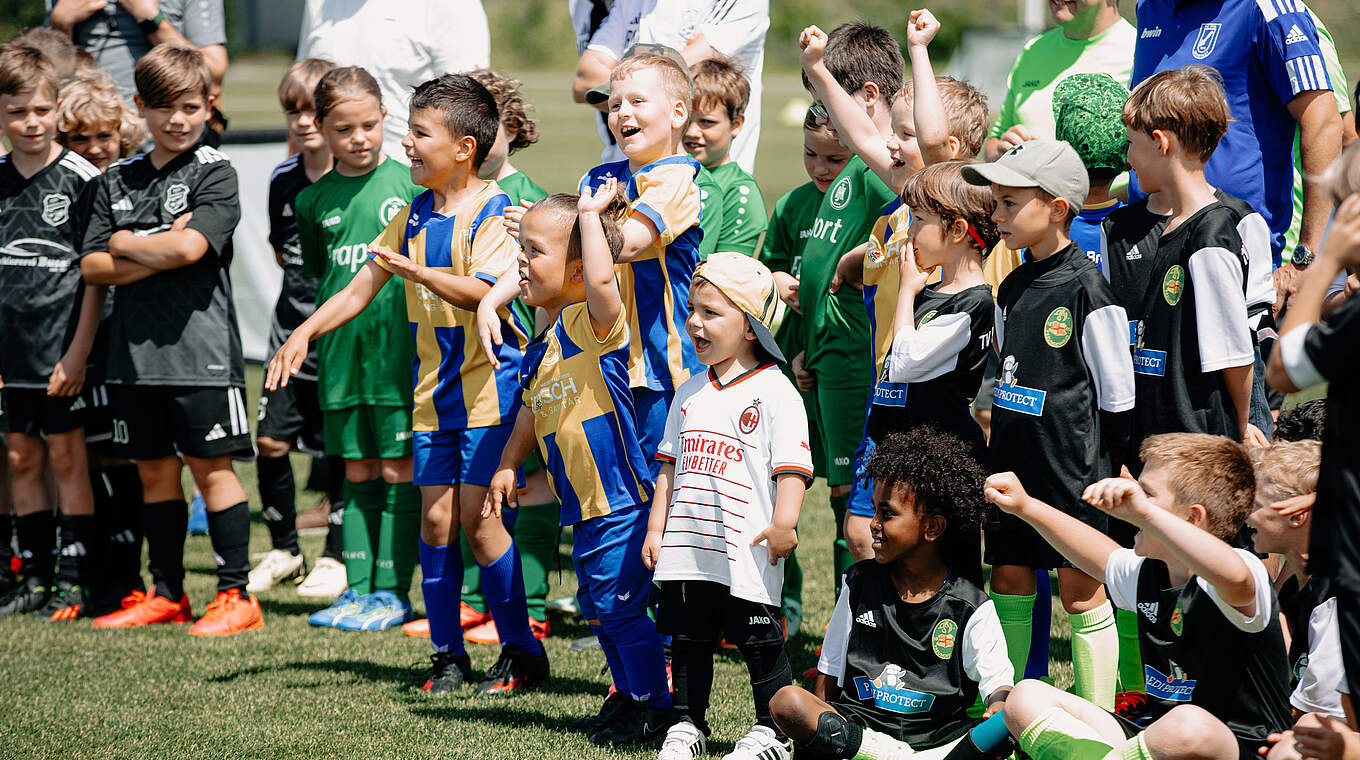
x,y
297,298
40,285
178,326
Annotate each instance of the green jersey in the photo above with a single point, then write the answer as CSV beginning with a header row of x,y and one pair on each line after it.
x,y
743,210
710,212
837,324
520,188
367,361
1341,90
790,227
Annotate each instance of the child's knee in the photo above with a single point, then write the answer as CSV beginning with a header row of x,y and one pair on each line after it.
x,y
1029,700
25,455
1190,733
395,470
785,706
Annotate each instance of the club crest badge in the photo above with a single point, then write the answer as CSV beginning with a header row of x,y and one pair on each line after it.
x,y
1058,327
1204,43
929,316
943,638
750,418
176,199
56,209
1173,284
840,194
389,208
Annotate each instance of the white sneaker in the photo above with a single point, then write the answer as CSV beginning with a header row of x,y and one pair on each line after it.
x,y
759,744
276,567
326,581
684,741
879,746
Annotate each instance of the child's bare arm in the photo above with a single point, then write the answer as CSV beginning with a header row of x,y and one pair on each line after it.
x,y
462,291
932,126
103,268
656,519
1082,545
603,301
337,311
781,538
852,124
68,376
639,234
176,247
488,314
502,488
1238,380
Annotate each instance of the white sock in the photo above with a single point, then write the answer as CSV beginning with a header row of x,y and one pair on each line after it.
x,y
879,746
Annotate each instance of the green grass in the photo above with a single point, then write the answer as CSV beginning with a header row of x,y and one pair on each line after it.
x,y
293,691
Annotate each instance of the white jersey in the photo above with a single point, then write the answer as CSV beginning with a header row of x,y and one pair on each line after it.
x,y
728,443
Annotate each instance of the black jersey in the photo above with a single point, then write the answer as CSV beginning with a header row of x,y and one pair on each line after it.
x,y
1193,653
178,326
297,298
40,285
1063,342
1185,295
1315,667
913,670
1255,234
931,375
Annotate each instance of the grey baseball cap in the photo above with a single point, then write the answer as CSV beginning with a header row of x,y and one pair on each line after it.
x,y
1050,165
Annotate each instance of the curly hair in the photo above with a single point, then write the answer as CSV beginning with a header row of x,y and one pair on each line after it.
x,y
942,480
514,111
1302,423
91,101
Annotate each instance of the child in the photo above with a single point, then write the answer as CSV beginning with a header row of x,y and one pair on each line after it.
x,y
292,415
363,368
1065,374
914,641
721,92
1209,625
517,131
160,230
737,456
450,245
1087,112
579,413
47,326
94,122
1288,470
1181,276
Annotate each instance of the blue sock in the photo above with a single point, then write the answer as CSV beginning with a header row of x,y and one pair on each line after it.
x,y
508,518
442,592
643,658
503,583
1037,666
611,657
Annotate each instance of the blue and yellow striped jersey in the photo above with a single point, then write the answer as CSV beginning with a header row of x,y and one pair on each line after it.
x,y
655,284
455,387
882,277
576,385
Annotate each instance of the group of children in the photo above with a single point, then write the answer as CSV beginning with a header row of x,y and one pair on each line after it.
x,y
651,362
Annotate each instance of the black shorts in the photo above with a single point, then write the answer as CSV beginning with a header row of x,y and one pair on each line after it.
x,y
158,421
32,412
292,414
98,419
1008,540
707,611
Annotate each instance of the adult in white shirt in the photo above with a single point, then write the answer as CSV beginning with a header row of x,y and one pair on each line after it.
x,y
699,29
400,43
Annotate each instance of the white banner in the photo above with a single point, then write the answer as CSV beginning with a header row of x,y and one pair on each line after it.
x,y
255,275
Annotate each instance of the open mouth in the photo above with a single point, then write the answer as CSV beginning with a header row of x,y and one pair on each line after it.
x,y
415,162
628,130
701,345
693,146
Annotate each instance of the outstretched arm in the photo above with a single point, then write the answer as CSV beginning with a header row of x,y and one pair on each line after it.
x,y
852,124
337,311
1082,545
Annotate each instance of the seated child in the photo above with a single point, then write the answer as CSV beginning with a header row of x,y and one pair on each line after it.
x,y
721,92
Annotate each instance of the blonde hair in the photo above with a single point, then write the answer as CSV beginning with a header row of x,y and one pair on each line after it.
x,y
1187,102
1342,178
965,108
1209,470
1287,469
92,100
299,83
674,79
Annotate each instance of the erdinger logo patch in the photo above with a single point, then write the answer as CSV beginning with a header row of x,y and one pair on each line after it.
x,y
176,198
750,418
943,638
1058,327
1173,284
1177,620
888,693
56,209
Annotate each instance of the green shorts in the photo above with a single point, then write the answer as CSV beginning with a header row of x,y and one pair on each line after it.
x,y
368,432
840,421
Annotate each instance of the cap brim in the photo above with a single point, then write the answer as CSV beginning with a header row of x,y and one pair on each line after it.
x,y
597,95
996,174
765,338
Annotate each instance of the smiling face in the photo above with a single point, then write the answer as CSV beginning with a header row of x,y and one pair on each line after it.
x,y
304,130
433,152
176,126
898,528
823,157
353,129
30,120
544,271
98,144
709,135
716,326
1022,216
1272,532
1155,483
902,145
644,119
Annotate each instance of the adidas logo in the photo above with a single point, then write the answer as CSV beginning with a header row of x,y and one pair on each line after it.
x,y
123,204
271,514
123,537
1134,254
1295,35
73,550
1149,610
867,618
216,434
79,404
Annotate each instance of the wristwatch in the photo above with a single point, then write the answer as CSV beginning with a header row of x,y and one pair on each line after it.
x,y
149,26
1302,256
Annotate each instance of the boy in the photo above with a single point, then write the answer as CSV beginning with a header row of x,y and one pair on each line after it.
x,y
1087,111
1181,274
1209,624
160,230
47,326
737,458
1065,375
292,415
450,245
721,93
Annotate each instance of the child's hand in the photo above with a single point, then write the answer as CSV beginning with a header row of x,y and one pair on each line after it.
x,y
1013,137
1343,235
181,221
1004,490
813,42
806,380
401,266
1255,438
651,548
513,215
599,200
1321,742
787,285
489,331
912,279
779,541
1119,497
67,378
286,362
1295,505
501,491
921,28
849,271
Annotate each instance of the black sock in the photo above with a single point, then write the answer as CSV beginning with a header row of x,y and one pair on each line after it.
x,y
319,474
836,739
335,491
6,548
119,511
278,494
165,523
230,533
37,543
692,680
73,565
769,669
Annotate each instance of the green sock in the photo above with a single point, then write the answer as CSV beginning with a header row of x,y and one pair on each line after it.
x,y
1016,615
536,537
1130,656
1134,749
398,540
1095,655
359,532
472,577
842,559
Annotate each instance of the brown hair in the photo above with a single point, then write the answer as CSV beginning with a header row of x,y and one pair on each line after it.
x,y
1342,178
299,83
169,72
719,82
1187,102
674,79
1287,469
340,84
1209,470
564,205
24,69
66,58
965,108
92,100
859,52
510,102
940,189
812,122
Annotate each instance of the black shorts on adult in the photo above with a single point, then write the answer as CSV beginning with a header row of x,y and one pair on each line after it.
x,y
292,414
32,412
158,421
1008,540
707,611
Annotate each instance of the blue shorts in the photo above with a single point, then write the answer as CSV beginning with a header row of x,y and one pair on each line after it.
x,y
607,553
651,408
453,457
861,501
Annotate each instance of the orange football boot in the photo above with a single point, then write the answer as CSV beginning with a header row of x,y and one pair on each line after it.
x,y
229,613
469,617
486,632
418,628
146,609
